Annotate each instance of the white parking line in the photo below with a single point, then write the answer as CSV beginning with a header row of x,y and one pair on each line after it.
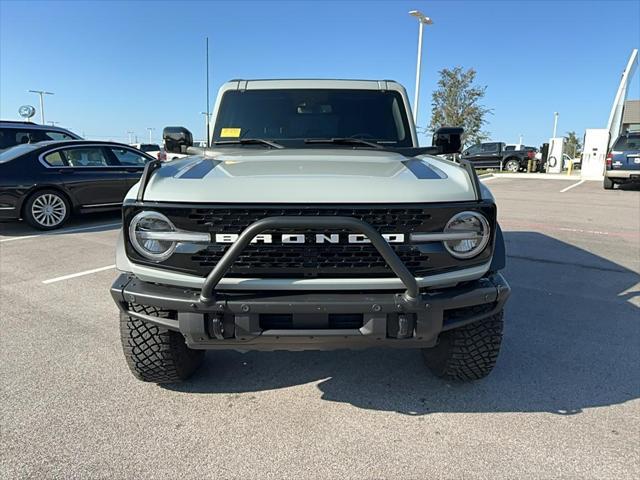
x,y
486,179
58,232
79,274
572,186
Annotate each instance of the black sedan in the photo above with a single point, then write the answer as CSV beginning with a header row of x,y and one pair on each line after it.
x,y
45,182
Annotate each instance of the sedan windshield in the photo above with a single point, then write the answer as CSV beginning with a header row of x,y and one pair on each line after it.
x,y
292,116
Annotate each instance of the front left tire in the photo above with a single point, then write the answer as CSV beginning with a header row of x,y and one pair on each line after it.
x,y
467,353
47,210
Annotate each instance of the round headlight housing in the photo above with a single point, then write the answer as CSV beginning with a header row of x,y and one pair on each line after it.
x,y
472,231
141,234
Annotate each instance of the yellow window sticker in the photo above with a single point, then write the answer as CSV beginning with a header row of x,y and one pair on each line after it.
x,y
230,133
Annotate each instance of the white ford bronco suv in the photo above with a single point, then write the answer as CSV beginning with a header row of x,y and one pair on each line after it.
x,y
313,221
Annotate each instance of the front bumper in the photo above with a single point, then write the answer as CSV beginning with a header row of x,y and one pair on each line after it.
x,y
310,320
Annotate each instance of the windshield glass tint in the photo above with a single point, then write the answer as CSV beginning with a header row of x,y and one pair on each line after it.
x,y
624,143
299,114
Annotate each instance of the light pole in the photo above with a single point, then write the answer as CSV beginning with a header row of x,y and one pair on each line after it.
x,y
130,132
520,141
206,126
42,93
150,130
423,20
555,123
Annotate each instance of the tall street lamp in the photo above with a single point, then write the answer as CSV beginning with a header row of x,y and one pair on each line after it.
x,y
206,127
42,93
150,130
423,20
555,123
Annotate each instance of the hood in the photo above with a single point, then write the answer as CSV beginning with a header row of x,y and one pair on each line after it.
x,y
323,175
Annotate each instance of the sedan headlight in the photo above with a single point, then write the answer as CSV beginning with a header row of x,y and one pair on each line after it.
x,y
472,234
146,233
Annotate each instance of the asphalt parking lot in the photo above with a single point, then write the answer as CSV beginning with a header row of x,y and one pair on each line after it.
x,y
562,401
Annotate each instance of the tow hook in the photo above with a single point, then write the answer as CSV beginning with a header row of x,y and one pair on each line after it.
x,y
217,327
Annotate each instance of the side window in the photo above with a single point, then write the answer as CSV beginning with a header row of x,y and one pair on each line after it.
x,y
129,157
473,150
86,157
55,159
58,136
489,147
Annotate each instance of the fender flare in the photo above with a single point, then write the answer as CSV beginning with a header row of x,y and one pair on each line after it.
x,y
499,260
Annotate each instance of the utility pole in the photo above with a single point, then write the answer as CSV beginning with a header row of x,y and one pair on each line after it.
x,y
207,112
129,132
206,126
423,20
42,93
555,123
520,141
150,129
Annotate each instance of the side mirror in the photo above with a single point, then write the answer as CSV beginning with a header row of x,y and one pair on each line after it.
x,y
448,139
177,139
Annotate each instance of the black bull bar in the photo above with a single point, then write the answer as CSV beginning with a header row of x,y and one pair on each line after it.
x,y
207,295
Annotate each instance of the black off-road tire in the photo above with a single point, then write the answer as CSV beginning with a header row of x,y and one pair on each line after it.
x,y
467,353
156,354
607,183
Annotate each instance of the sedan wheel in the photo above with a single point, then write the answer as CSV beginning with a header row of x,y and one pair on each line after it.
x,y
47,210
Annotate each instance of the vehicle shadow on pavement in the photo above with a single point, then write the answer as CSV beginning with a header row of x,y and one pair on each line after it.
x,y
96,222
571,342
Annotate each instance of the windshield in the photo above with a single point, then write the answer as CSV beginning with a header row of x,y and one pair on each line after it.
x,y
290,116
627,142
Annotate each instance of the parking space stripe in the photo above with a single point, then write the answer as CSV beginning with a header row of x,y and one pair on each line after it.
x,y
572,186
59,232
79,274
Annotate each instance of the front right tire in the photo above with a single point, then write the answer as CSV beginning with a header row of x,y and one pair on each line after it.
x,y
467,353
156,354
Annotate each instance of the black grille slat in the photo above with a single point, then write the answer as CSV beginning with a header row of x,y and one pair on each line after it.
x,y
318,260
310,259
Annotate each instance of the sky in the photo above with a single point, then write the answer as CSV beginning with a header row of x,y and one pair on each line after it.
x,y
119,66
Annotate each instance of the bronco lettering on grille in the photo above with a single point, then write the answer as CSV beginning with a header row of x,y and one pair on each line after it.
x,y
305,238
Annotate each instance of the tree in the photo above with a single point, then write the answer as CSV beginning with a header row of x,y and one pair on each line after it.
x,y
573,145
456,103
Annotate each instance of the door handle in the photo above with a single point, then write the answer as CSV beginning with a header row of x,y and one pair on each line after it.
x,y
65,170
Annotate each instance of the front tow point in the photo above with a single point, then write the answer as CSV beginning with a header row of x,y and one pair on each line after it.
x,y
216,327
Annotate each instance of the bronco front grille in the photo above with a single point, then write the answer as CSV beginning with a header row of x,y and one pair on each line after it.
x,y
313,260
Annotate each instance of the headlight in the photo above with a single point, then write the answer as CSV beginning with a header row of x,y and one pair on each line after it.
x,y
146,232
473,229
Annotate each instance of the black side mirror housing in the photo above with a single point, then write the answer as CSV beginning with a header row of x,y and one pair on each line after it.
x,y
177,139
448,139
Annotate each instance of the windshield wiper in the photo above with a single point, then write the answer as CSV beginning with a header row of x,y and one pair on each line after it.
x,y
344,141
249,141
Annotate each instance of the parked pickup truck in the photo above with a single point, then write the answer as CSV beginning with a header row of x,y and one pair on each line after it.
x,y
496,155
